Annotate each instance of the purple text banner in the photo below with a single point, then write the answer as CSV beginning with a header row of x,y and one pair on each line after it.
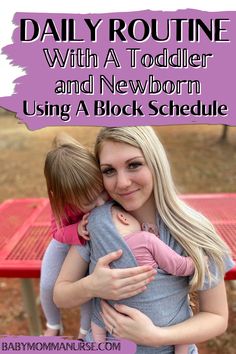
x,y
54,345
121,69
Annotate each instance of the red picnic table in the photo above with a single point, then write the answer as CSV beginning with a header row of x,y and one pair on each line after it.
x,y
25,234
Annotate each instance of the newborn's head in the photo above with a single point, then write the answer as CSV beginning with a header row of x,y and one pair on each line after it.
x,y
124,222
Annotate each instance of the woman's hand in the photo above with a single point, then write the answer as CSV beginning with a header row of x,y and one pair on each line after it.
x,y
117,284
129,323
73,288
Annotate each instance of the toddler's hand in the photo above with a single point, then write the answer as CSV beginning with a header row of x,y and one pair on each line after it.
x,y
82,227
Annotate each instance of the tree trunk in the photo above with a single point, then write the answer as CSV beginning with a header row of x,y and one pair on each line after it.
x,y
223,137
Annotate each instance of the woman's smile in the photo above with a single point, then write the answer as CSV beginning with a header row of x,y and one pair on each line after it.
x,y
128,194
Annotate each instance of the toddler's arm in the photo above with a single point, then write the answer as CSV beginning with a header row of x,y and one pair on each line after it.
x,y
67,234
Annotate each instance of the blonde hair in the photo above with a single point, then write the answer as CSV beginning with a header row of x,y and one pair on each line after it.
x,y
72,176
192,230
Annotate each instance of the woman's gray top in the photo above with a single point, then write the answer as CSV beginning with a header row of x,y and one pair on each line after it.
x,y
165,301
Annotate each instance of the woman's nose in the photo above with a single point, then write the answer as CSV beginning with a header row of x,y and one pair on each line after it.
x,y
123,181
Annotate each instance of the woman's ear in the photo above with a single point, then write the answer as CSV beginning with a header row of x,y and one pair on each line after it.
x,y
121,217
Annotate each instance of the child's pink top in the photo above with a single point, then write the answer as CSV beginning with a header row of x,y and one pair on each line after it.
x,y
148,249
68,233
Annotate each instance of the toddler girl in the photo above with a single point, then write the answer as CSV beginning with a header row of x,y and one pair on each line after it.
x,y
74,187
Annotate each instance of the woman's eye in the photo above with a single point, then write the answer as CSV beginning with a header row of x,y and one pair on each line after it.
x,y
134,165
108,171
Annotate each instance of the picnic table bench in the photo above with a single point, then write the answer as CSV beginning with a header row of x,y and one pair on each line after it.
x,y
25,234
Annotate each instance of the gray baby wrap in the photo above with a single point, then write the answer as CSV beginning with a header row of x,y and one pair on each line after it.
x,y
165,301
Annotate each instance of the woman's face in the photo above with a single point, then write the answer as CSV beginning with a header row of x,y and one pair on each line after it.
x,y
126,176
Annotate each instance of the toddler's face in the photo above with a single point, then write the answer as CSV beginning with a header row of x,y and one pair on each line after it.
x,y
100,200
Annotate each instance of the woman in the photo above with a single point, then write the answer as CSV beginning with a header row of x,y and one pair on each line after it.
x,y
136,174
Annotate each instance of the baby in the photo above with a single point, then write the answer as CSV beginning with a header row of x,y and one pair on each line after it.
x,y
147,248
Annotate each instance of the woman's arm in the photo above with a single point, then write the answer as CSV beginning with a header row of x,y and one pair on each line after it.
x,y
73,288
211,321
65,290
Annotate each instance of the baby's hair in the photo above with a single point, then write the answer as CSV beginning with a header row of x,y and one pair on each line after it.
x,y
72,176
